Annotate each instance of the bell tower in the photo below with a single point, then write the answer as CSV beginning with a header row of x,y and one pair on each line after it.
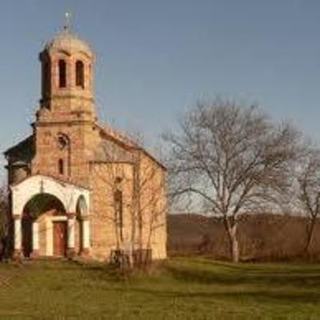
x,y
64,129
66,79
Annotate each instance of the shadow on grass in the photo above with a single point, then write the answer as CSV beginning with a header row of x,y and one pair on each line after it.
x,y
261,296
237,274
100,271
176,277
196,281
220,274
259,267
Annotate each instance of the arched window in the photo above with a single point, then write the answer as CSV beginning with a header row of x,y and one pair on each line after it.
x,y
61,166
79,74
119,212
62,74
46,77
64,151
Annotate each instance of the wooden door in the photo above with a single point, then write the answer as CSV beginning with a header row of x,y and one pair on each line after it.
x,y
59,238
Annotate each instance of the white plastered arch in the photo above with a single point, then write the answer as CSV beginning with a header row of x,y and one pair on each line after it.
x,y
67,193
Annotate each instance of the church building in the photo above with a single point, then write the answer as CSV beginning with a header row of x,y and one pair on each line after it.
x,y
77,187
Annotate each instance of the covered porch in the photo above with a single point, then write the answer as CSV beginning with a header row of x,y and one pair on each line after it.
x,y
51,218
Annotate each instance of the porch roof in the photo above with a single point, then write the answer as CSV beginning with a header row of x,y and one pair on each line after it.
x,y
67,193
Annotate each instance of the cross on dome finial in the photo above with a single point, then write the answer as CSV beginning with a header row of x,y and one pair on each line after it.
x,y
67,23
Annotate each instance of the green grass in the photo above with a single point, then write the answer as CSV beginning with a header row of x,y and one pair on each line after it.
x,y
181,288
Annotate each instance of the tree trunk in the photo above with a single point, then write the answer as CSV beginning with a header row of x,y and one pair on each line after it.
x,y
233,241
134,214
309,235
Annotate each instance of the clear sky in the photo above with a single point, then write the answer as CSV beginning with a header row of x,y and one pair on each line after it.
x,y
157,58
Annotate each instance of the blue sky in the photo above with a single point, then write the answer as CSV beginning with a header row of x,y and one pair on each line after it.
x,y
157,58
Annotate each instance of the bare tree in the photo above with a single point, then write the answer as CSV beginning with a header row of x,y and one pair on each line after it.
x,y
233,159
4,221
308,191
151,206
137,208
116,178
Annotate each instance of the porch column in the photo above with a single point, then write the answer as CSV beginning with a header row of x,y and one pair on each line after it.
x,y
85,235
17,237
71,235
35,239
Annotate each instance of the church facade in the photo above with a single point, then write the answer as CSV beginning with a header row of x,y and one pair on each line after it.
x,y
78,188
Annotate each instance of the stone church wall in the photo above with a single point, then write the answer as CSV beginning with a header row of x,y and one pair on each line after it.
x,y
103,222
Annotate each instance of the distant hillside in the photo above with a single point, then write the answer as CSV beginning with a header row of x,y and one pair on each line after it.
x,y
262,237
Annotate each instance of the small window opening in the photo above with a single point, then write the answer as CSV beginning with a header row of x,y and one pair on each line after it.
x,y
79,74
62,74
61,166
45,78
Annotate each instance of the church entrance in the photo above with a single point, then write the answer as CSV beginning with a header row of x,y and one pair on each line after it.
x,y
50,218
59,238
44,227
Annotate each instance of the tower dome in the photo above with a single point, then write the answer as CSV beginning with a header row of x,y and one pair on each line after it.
x,y
69,42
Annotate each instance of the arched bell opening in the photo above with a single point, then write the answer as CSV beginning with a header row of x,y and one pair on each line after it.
x,y
45,75
79,69
62,67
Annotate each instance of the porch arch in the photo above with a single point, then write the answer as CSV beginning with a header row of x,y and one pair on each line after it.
x,y
67,193
40,204
37,193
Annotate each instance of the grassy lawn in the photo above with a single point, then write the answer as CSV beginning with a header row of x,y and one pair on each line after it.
x,y
181,288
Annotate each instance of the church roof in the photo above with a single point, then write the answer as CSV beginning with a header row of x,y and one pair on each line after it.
x,y
110,151
24,150
117,147
68,41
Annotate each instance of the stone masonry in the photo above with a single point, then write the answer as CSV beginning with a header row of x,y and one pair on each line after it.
x,y
81,188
